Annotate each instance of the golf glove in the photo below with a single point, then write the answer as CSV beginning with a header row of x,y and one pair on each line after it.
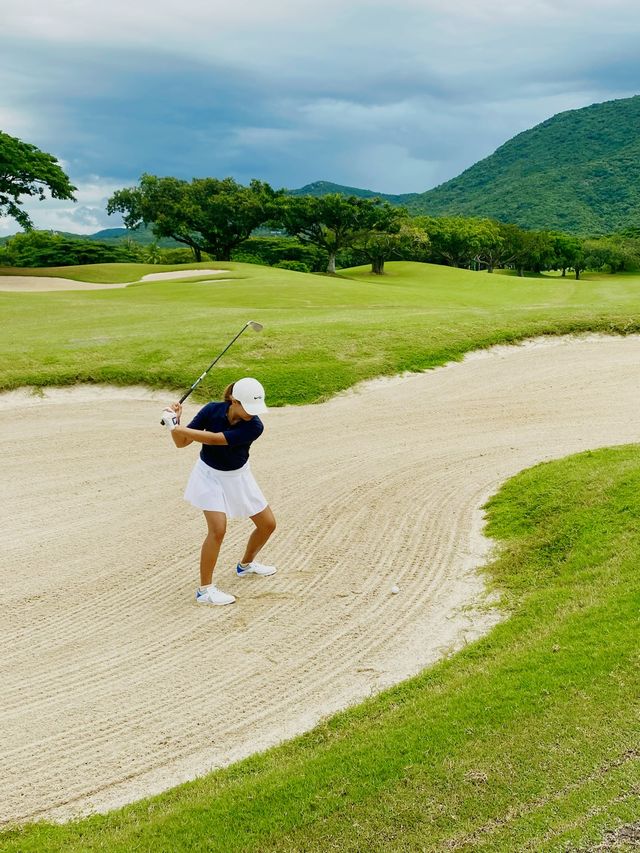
x,y
169,419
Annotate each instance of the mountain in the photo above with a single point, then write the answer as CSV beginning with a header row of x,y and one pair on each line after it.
x,y
117,235
320,188
139,235
578,172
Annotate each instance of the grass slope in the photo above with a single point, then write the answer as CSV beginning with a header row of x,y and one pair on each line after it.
x,y
322,334
527,740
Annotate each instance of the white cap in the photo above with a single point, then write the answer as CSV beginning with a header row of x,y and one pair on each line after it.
x,y
250,393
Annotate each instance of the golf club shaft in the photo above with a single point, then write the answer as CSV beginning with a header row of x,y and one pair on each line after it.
x,y
217,358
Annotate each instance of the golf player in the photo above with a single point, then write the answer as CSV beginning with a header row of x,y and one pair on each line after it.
x,y
221,483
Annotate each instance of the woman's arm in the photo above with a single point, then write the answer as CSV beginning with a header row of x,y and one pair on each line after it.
x,y
182,436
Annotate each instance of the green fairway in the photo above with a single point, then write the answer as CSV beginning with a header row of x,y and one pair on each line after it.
x,y
322,334
527,740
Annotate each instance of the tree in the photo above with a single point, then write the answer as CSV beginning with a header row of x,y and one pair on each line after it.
x,y
207,214
609,253
152,254
331,222
27,171
48,249
391,235
272,250
513,245
538,252
461,242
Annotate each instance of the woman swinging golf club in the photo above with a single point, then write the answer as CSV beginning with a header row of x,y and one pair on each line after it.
x,y
221,483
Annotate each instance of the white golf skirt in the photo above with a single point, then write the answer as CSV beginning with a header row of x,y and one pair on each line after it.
x,y
235,493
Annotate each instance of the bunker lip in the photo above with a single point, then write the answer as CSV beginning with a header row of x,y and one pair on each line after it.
x,y
100,705
44,284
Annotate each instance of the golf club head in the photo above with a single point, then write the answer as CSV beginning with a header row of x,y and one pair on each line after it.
x,y
257,327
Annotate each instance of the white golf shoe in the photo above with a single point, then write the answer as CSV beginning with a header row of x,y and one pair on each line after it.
x,y
254,568
213,595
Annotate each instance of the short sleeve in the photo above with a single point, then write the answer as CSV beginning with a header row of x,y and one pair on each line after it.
x,y
244,433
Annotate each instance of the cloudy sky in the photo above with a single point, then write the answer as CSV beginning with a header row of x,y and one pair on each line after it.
x,y
390,95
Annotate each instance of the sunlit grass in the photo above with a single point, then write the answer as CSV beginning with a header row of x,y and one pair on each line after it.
x,y
322,333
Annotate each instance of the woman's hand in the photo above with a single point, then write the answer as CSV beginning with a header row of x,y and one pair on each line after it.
x,y
171,416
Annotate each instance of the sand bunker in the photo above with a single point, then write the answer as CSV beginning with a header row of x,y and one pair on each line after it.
x,y
116,685
41,284
162,276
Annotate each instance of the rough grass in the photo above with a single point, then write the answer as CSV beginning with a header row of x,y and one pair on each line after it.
x,y
322,333
528,740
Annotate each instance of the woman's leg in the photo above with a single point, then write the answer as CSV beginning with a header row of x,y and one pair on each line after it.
x,y
265,523
216,528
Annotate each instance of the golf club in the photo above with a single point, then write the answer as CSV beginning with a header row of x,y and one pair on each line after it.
x,y
257,327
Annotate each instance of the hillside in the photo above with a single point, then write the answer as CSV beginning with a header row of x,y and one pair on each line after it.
x,y
320,188
140,235
578,171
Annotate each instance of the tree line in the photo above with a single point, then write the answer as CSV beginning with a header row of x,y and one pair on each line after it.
x,y
218,219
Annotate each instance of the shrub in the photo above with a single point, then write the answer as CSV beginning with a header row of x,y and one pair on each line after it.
x,y
297,266
248,258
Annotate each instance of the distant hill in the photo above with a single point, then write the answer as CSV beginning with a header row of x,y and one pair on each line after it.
x,y
320,188
140,235
578,172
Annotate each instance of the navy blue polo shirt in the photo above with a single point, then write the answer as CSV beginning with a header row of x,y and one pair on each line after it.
x,y
235,453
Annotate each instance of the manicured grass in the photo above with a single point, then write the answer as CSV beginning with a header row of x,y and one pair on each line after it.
x,y
322,334
527,740
108,273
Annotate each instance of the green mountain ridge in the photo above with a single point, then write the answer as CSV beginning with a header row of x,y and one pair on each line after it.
x,y
141,235
320,188
576,172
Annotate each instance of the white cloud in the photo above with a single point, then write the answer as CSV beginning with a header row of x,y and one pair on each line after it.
x,y
17,122
410,91
390,169
272,35
266,137
86,216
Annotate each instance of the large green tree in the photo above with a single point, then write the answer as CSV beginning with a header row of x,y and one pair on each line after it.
x,y
27,171
207,214
538,252
462,242
391,235
331,222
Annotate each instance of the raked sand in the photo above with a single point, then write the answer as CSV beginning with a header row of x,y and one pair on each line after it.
x,y
116,685
41,284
